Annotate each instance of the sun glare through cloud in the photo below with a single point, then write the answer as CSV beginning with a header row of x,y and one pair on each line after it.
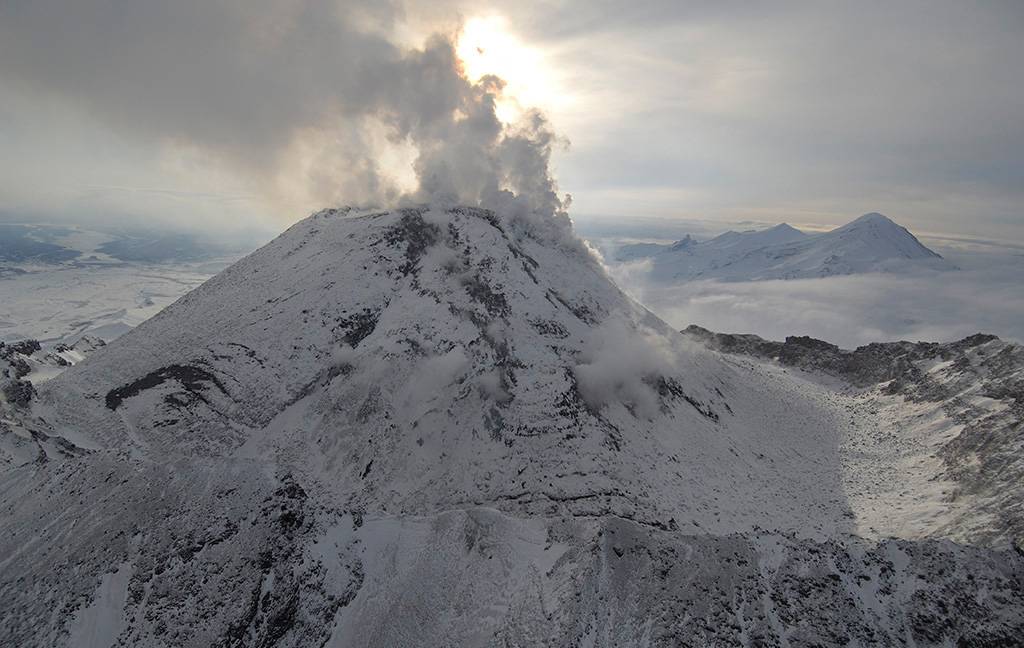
x,y
486,45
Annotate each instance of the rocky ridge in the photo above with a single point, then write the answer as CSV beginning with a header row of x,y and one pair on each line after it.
x,y
977,384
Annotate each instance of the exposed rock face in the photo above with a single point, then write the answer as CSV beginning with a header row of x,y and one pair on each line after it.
x,y
13,363
24,435
22,358
880,362
23,347
419,427
19,392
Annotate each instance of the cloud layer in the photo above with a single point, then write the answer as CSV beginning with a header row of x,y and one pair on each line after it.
x,y
850,311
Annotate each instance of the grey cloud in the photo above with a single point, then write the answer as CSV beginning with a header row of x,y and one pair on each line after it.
x,y
801,111
832,108
251,81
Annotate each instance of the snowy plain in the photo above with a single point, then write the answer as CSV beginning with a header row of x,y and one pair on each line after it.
x,y
61,281
62,303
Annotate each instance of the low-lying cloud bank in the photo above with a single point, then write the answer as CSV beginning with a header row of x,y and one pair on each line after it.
x,y
986,296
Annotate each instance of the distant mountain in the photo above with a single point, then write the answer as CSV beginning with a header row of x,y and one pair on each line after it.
x,y
447,427
18,245
872,243
38,244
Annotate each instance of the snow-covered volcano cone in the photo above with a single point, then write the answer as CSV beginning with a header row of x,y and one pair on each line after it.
x,y
418,360
442,427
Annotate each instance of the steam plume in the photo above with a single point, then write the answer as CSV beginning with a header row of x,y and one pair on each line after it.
x,y
261,85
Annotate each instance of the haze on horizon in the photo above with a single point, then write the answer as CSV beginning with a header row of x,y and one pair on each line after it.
x,y
239,115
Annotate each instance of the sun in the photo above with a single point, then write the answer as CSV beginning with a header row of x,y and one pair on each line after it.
x,y
487,46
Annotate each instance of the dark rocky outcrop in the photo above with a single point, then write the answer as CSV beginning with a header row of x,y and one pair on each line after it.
x,y
19,392
192,379
871,364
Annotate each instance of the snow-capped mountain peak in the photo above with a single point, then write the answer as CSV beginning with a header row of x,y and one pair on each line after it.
x,y
873,218
871,243
751,240
786,227
683,243
885,238
784,232
417,359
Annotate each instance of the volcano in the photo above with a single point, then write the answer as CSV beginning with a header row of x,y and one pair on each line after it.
x,y
436,427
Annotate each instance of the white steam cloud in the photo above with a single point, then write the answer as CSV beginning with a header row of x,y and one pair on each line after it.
x,y
306,97
619,363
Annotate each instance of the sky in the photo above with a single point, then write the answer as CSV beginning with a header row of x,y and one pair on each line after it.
x,y
232,115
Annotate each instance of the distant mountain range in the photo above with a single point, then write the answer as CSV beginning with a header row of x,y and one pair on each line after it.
x,y
40,244
872,243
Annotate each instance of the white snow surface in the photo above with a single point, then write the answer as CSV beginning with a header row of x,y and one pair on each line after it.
x,y
416,427
871,243
61,303
409,399
99,623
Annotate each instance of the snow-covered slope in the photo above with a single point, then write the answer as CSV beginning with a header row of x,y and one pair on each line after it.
x,y
872,243
939,423
442,427
24,365
29,361
416,360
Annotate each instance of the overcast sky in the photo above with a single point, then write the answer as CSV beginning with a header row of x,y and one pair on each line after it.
x,y
220,114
